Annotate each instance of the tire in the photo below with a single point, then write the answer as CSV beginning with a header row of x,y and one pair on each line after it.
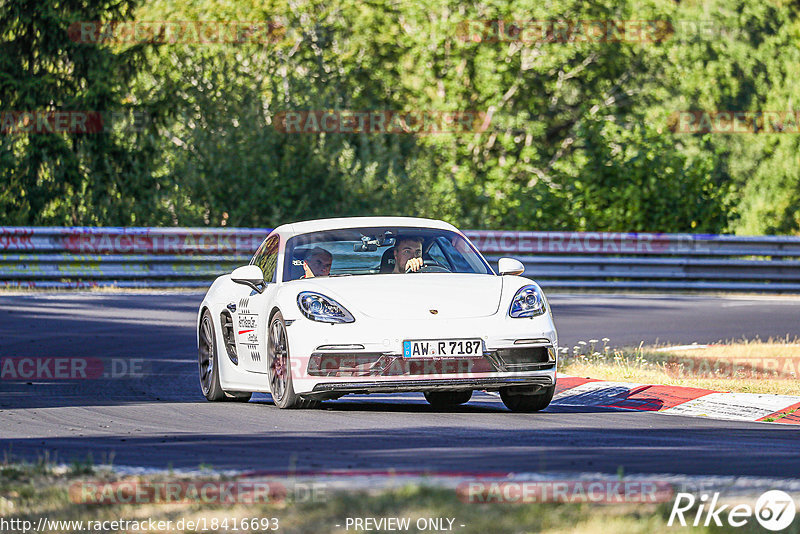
x,y
280,369
517,400
208,360
447,399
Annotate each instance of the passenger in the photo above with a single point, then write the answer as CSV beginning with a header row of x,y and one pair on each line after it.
x,y
407,254
317,263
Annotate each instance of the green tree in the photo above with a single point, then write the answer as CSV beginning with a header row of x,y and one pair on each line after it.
x,y
73,178
581,132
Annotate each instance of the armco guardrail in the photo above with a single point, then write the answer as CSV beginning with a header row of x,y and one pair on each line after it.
x,y
55,257
52,257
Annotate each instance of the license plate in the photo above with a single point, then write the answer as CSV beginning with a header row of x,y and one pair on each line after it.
x,y
442,348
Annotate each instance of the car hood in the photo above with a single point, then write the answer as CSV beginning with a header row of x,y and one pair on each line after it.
x,y
413,295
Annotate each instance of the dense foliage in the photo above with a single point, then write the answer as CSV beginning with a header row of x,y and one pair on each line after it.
x,y
582,132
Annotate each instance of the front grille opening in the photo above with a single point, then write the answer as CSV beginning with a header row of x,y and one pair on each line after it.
x,y
525,357
440,367
345,364
228,336
380,364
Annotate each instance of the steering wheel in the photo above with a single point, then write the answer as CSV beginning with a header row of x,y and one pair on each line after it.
x,y
431,266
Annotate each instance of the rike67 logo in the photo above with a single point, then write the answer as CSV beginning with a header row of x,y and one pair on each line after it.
x,y
774,510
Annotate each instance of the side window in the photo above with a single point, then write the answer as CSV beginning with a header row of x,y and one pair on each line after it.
x,y
435,253
456,260
266,257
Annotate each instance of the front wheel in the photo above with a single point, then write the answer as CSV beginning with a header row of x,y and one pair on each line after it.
x,y
280,370
520,399
447,399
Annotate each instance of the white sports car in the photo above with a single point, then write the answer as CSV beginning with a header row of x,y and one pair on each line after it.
x,y
376,304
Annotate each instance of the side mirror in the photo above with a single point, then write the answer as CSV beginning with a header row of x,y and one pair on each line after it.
x,y
249,275
510,266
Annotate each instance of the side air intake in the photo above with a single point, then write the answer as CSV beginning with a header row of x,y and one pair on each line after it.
x,y
228,336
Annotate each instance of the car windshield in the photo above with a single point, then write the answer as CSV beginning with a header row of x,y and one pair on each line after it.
x,y
359,251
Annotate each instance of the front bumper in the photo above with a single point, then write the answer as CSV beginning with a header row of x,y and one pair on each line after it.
x,y
372,350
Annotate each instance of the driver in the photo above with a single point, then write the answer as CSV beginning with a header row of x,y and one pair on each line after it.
x,y
317,263
407,254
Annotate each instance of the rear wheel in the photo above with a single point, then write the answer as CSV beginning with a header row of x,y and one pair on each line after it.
x,y
280,371
522,399
447,399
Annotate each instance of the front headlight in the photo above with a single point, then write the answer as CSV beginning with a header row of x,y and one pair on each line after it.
x,y
323,309
528,302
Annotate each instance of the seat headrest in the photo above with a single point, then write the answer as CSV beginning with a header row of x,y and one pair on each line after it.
x,y
297,271
387,261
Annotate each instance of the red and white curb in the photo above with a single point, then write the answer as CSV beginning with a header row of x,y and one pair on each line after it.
x,y
677,400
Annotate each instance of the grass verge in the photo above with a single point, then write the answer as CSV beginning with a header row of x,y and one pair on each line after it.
x,y
746,366
30,492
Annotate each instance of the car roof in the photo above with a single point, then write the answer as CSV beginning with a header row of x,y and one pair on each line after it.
x,y
316,225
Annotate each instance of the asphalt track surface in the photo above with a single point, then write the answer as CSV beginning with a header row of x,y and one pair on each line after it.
x,y
159,418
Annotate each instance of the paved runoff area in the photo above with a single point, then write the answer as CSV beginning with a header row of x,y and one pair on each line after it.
x,y
138,403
